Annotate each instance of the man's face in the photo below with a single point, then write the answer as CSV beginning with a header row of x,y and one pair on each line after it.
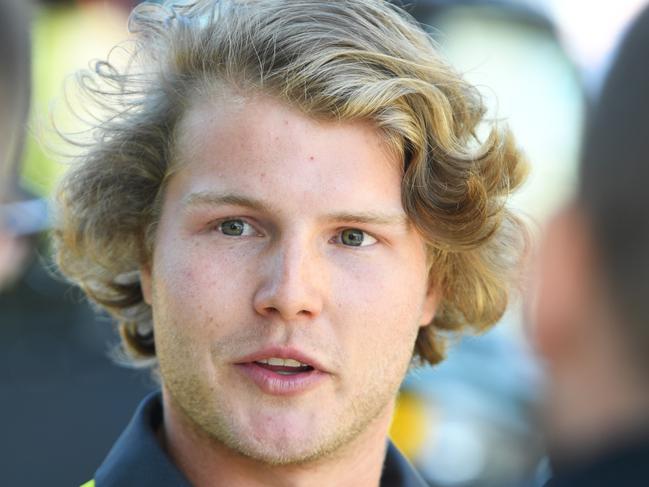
x,y
284,238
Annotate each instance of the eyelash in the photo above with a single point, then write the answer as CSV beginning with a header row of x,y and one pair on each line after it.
x,y
338,238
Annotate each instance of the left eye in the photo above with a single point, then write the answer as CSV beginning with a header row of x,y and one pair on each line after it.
x,y
353,237
236,228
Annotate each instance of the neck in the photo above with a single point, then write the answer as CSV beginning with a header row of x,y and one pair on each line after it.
x,y
206,462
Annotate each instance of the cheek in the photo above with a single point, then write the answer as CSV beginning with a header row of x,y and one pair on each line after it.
x,y
377,330
198,291
379,308
386,286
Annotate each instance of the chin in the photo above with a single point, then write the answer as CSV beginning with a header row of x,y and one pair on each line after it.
x,y
279,452
282,441
281,456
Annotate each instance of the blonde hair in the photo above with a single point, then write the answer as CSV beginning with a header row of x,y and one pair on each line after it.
x,y
345,60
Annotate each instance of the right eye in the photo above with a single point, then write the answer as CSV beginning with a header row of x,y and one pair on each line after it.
x,y
236,228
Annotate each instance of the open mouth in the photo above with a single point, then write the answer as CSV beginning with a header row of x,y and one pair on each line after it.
x,y
282,376
284,366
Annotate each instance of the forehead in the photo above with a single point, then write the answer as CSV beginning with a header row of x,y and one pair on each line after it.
x,y
262,147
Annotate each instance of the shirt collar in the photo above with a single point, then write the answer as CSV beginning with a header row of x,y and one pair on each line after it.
x,y
137,458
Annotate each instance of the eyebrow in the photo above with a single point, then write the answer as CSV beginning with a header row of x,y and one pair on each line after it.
x,y
209,198
371,218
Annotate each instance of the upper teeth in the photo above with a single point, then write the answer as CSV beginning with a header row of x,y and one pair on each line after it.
x,y
283,362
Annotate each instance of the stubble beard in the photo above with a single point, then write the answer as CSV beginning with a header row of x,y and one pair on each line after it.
x,y
333,440
205,409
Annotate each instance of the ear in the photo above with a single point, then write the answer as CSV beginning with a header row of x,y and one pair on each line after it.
x,y
145,282
566,287
429,308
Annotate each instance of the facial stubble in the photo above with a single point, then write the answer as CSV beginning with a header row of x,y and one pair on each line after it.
x,y
190,393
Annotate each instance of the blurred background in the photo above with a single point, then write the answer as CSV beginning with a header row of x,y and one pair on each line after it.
x,y
471,421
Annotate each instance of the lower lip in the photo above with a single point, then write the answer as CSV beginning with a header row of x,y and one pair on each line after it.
x,y
281,385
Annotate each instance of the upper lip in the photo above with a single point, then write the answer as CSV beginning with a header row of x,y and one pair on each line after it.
x,y
282,352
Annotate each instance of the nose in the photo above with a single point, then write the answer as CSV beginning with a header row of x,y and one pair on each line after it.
x,y
291,284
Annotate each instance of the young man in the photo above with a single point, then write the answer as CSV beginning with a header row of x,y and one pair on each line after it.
x,y
591,319
284,202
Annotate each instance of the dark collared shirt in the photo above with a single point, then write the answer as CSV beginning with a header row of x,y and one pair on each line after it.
x,y
138,459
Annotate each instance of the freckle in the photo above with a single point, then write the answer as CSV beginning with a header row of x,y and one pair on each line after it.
x,y
311,158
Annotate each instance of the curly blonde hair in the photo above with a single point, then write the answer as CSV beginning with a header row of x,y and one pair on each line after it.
x,y
345,60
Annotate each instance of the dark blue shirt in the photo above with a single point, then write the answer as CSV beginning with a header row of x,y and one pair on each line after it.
x,y
138,459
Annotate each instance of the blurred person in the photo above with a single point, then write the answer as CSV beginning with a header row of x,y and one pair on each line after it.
x,y
57,30
14,87
282,205
591,313
14,104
